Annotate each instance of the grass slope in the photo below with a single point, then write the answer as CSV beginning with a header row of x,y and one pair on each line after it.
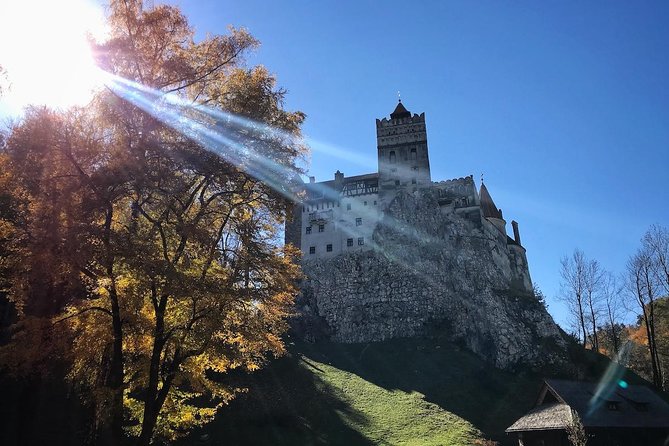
x,y
399,392
386,416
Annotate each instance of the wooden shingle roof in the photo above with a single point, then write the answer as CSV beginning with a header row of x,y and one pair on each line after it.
x,y
597,404
544,417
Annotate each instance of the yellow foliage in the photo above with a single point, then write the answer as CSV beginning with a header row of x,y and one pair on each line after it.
x,y
161,257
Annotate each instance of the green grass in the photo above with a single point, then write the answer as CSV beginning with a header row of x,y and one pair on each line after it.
x,y
397,392
400,392
393,417
453,379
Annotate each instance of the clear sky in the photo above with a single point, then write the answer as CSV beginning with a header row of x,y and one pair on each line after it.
x,y
563,106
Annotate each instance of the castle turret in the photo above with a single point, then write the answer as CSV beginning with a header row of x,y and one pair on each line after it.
x,y
402,153
516,232
490,210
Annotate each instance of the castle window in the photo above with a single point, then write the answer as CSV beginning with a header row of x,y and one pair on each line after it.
x,y
328,248
349,242
374,202
397,182
308,229
365,203
348,207
413,154
641,407
312,250
358,221
321,228
361,241
392,157
413,181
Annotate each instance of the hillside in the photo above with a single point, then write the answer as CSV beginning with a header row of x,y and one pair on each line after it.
x,y
398,392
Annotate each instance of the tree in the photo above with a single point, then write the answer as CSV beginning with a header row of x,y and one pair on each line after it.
x,y
581,286
160,256
639,356
613,308
642,284
656,242
575,431
593,285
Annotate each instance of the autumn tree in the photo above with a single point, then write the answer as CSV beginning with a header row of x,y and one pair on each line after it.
x,y
639,358
647,281
160,256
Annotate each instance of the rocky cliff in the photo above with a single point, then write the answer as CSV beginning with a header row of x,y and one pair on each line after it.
x,y
434,270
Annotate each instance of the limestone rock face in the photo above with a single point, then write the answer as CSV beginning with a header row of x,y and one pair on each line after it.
x,y
433,270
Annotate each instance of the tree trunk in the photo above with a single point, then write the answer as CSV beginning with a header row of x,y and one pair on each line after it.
x,y
614,336
655,357
116,372
595,341
582,319
116,364
150,419
151,406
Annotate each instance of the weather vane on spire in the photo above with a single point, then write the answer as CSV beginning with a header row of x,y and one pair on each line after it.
x,y
481,177
399,97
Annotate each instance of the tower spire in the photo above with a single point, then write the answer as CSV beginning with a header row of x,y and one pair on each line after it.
x,y
400,112
487,205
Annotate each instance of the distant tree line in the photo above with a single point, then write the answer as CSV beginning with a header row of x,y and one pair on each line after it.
x,y
599,303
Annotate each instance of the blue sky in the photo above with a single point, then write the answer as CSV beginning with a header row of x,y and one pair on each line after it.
x,y
563,106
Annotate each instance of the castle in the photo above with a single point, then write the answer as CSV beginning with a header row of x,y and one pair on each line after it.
x,y
339,216
395,254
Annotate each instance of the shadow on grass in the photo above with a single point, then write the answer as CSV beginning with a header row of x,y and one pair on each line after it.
x,y
287,404
455,380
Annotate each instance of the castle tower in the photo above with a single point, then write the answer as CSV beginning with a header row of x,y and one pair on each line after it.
x,y
402,153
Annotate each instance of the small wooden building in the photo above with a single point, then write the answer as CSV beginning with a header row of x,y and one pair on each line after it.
x,y
613,414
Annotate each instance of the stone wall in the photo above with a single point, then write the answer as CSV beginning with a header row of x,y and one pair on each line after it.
x,y
431,273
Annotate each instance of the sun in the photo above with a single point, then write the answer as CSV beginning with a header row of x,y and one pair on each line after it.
x,y
45,52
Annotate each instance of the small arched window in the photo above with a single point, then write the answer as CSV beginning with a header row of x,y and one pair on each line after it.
x,y
412,156
392,157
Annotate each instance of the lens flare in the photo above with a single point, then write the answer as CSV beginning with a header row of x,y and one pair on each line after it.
x,y
46,52
610,381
